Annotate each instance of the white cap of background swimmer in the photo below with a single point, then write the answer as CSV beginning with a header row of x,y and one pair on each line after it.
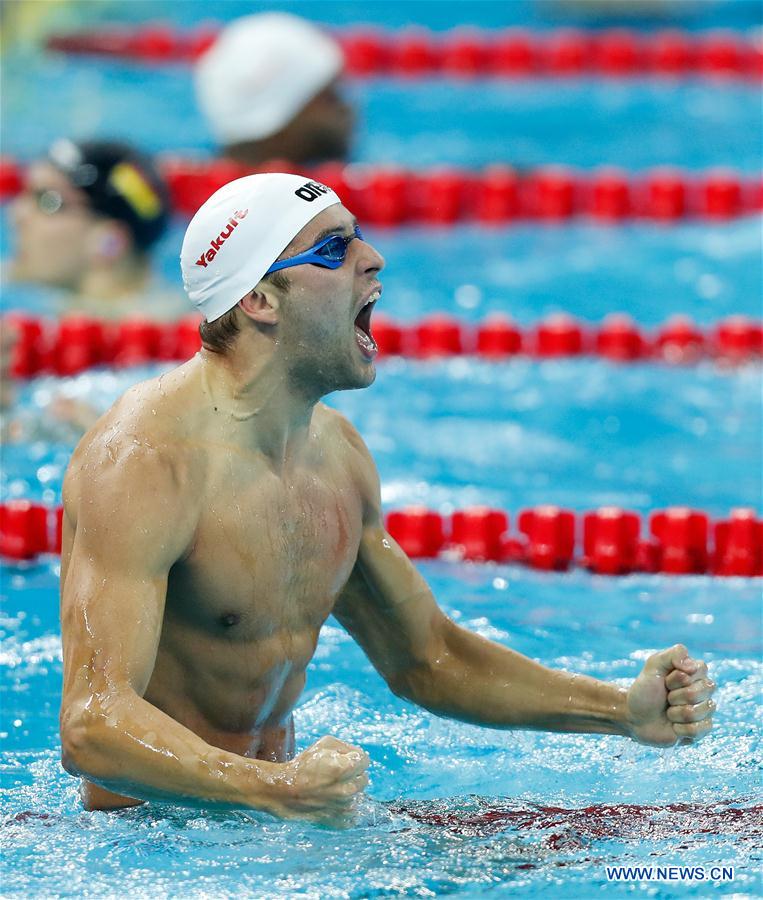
x,y
241,231
260,72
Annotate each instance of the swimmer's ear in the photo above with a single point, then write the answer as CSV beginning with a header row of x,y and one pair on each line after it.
x,y
260,306
110,241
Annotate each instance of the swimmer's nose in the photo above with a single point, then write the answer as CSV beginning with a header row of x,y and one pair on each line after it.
x,y
369,258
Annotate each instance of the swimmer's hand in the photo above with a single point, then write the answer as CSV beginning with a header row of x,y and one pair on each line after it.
x,y
671,700
322,783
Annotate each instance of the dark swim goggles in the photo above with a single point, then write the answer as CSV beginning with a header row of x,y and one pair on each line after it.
x,y
329,253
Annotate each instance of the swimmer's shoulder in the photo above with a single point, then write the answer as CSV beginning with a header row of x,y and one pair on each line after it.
x,y
337,431
143,441
342,440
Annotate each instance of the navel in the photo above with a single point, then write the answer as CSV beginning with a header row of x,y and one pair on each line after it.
x,y
230,619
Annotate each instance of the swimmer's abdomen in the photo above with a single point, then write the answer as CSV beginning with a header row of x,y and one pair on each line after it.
x,y
208,680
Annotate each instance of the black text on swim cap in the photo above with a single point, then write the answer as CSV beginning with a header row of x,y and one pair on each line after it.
x,y
311,191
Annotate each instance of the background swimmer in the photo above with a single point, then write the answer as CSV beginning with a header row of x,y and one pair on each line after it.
x,y
85,223
269,88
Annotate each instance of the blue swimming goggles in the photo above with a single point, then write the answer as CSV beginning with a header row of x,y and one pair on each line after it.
x,y
329,253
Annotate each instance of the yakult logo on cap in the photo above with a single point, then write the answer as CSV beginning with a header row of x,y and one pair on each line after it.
x,y
216,243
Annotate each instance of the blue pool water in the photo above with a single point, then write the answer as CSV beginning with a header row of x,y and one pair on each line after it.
x,y
652,273
526,123
452,809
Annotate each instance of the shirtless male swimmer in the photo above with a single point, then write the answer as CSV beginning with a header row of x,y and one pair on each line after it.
x,y
217,515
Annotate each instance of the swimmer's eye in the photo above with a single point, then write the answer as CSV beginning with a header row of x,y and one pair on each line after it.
x,y
329,253
335,248
49,201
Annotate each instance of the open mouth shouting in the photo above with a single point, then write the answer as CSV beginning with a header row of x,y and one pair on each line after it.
x,y
363,336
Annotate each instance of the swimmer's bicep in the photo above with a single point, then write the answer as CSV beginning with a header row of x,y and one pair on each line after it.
x,y
388,607
110,626
127,533
130,516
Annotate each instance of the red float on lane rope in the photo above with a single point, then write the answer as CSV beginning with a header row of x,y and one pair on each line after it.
x,y
551,193
681,534
11,178
23,529
496,196
664,195
723,54
499,337
739,544
80,343
620,339
477,533
565,52
618,53
550,534
29,355
609,195
437,335
414,53
610,541
559,335
420,532
514,53
720,195
737,339
680,340
438,197
464,53
671,53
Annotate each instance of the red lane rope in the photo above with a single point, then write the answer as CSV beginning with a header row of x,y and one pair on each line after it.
x,y
470,53
76,342
496,195
608,541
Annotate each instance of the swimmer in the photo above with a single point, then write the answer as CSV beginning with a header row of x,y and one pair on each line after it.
x,y
270,88
84,225
217,515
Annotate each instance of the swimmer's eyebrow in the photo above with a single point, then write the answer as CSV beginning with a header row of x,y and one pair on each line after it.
x,y
334,229
337,229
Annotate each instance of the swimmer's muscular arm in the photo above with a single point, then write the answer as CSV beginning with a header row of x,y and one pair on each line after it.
x,y
135,516
133,521
426,658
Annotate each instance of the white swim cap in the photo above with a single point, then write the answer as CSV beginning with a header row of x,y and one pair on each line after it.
x,y
260,72
239,233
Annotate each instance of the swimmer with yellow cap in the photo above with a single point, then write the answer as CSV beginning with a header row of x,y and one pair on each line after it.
x,y
86,219
216,516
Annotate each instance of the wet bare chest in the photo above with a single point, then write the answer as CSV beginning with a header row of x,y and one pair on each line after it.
x,y
270,554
